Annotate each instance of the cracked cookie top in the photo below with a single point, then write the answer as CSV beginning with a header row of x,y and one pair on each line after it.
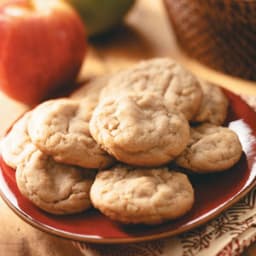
x,y
214,106
17,144
54,187
139,129
210,149
137,195
60,128
178,88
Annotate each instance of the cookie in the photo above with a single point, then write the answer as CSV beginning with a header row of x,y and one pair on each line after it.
x,y
91,89
54,187
211,149
142,196
214,105
60,128
178,88
89,95
139,129
17,144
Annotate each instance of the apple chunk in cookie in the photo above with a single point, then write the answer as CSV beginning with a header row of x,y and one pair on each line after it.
x,y
54,187
139,129
142,195
60,128
211,149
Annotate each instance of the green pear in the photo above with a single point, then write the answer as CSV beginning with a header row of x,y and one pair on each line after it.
x,y
99,16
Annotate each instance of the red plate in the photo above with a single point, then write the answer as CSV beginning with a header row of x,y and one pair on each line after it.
x,y
214,193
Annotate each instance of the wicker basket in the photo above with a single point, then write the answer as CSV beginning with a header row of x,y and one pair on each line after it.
x,y
218,33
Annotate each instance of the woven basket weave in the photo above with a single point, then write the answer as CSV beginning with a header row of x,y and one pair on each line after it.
x,y
218,33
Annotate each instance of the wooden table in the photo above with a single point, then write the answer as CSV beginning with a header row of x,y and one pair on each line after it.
x,y
145,34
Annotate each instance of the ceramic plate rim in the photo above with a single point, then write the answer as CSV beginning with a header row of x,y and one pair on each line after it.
x,y
102,240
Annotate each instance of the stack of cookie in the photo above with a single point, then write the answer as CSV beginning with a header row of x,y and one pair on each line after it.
x,y
111,149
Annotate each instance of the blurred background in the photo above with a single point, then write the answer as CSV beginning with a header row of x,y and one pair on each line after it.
x,y
215,39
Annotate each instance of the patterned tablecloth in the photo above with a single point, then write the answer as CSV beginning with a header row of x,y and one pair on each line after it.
x,y
226,235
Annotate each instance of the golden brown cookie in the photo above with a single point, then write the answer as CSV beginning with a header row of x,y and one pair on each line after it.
x,y
214,105
139,129
89,94
211,149
60,128
178,88
91,89
137,195
17,144
54,187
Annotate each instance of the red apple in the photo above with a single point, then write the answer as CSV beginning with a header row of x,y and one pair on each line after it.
x,y
42,47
